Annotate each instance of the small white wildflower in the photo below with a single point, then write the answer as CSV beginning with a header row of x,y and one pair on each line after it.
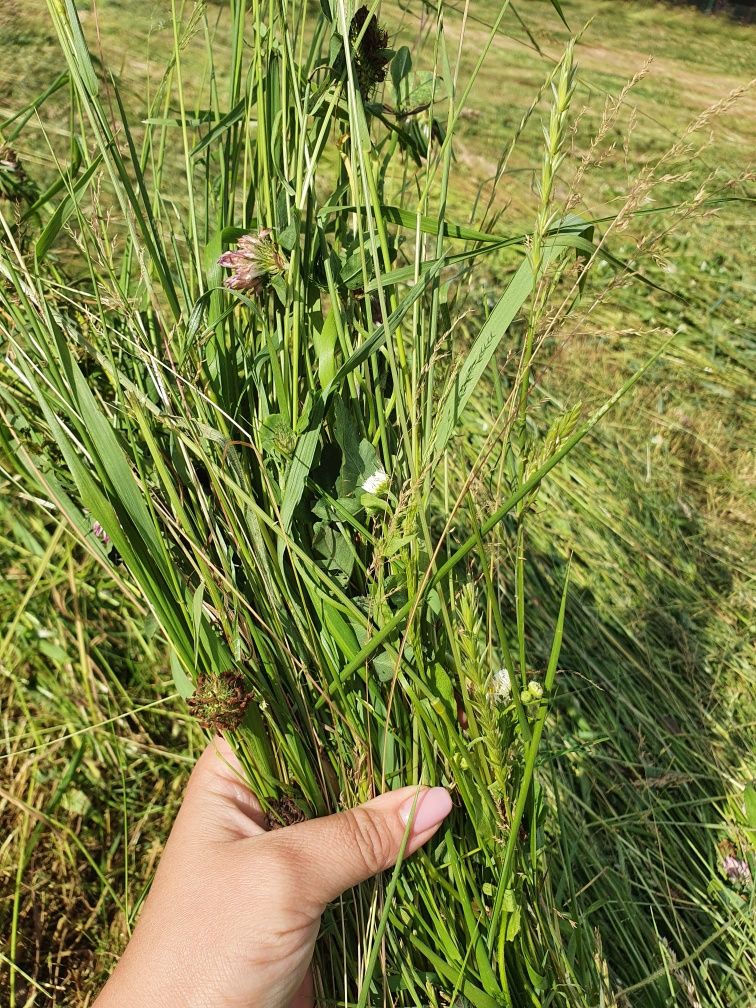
x,y
377,483
501,684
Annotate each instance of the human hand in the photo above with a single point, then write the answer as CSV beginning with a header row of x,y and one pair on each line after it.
x,y
234,911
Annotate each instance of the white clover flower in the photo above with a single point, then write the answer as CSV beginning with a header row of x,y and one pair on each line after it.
x,y
377,483
501,685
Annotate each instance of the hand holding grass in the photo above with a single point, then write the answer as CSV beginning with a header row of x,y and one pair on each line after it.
x,y
322,484
234,911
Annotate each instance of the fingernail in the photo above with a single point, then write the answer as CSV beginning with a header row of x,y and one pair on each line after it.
x,y
430,808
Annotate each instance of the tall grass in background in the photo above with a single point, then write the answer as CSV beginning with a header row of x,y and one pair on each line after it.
x,y
288,466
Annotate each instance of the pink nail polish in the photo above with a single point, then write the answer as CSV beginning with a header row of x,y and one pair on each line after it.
x,y
430,808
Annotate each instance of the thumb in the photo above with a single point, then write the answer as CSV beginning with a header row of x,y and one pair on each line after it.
x,y
336,852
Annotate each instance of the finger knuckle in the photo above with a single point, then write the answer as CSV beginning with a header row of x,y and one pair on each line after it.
x,y
371,840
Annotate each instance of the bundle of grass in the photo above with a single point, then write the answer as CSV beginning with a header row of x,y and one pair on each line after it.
x,y
267,452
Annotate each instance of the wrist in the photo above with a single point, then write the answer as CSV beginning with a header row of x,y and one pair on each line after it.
x,y
139,982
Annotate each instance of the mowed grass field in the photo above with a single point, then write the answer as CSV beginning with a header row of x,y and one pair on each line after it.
x,y
649,751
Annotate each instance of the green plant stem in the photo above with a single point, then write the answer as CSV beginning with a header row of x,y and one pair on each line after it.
x,y
391,626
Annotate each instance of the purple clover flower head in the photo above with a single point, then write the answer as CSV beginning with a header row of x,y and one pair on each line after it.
x,y
737,870
99,533
256,258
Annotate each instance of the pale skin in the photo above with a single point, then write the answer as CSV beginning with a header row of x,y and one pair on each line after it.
x,y
234,911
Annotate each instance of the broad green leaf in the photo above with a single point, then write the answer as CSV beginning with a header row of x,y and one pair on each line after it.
x,y
332,545
442,684
401,65
236,114
182,682
277,437
359,458
509,901
418,88
300,465
64,210
513,925
479,356
324,344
